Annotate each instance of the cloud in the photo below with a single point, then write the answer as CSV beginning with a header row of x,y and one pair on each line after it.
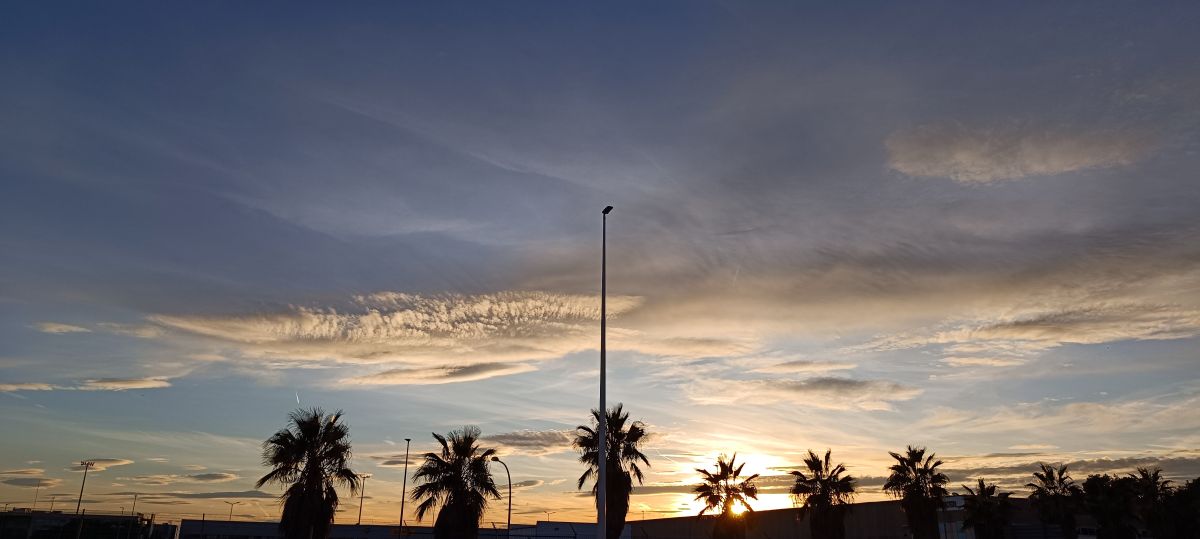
x,y
439,375
57,328
533,442
531,483
958,361
98,384
100,465
122,384
26,386
415,330
822,392
32,482
167,479
253,494
24,471
982,155
804,366
141,331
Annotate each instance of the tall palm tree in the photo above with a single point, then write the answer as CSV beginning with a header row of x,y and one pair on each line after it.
x,y
1151,491
623,456
1056,498
723,490
986,511
915,479
825,493
457,479
310,458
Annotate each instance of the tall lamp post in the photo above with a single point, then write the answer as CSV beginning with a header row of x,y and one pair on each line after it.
x,y
508,526
602,435
231,504
362,494
35,495
404,488
87,464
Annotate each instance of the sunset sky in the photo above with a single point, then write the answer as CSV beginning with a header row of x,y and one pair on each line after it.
x,y
965,226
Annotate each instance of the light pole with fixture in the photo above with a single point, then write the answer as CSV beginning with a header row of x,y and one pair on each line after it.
x,y
87,464
231,504
404,487
602,432
508,527
362,494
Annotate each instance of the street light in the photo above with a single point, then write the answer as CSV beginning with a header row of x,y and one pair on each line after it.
x,y
404,488
548,513
231,504
509,474
361,495
87,464
602,435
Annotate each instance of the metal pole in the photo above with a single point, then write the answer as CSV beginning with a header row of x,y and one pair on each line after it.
x,y
87,464
404,488
602,434
231,504
134,510
361,495
508,526
35,495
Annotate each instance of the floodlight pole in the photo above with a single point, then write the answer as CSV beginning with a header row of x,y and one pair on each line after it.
x,y
602,432
362,494
87,464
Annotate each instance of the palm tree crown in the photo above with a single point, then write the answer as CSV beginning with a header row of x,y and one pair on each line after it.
x,y
623,455
916,480
986,511
723,490
310,458
458,479
1056,497
824,491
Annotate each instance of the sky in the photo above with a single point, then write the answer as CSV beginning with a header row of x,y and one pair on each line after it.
x,y
853,227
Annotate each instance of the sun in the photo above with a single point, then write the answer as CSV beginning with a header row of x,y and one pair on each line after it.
x,y
738,508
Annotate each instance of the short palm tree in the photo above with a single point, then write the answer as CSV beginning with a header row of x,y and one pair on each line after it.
x,y
623,455
310,458
986,511
1056,498
915,479
457,479
825,494
727,490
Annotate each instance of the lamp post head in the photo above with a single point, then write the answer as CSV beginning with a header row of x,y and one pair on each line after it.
x,y
495,459
408,439
606,210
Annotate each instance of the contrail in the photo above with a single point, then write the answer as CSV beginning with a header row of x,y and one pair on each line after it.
x,y
297,397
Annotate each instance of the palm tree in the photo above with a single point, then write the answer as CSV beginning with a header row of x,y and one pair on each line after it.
x,y
1152,492
986,511
458,479
722,490
825,493
1056,498
623,456
310,458
915,479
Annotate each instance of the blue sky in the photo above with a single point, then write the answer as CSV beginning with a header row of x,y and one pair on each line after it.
x,y
857,227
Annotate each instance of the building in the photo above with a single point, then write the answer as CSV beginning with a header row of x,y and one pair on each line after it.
x,y
27,524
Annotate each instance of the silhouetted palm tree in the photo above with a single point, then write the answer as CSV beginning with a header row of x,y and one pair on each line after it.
x,y
1151,492
986,511
1110,500
457,479
915,479
1056,498
723,490
623,456
825,493
310,459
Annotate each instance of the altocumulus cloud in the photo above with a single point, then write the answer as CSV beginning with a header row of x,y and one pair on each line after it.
x,y
415,330
533,442
982,155
56,327
821,392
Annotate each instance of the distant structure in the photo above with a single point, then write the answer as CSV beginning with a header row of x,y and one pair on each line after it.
x,y
26,524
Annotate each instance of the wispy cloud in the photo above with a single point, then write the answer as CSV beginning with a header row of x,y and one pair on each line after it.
x,y
439,375
822,392
533,442
56,327
982,155
122,384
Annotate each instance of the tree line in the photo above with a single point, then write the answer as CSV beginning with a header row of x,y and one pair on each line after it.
x,y
310,460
